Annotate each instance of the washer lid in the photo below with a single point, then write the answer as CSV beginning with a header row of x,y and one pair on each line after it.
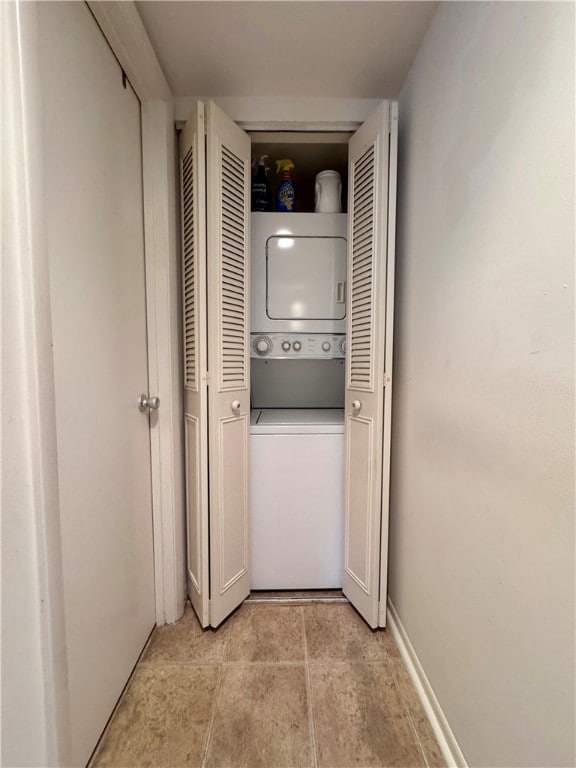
x,y
300,416
295,421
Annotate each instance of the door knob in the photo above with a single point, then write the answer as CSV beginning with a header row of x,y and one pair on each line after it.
x,y
235,406
151,403
356,406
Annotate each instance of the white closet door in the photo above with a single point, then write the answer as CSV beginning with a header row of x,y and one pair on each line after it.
x,y
193,202
228,185
366,508
94,235
215,177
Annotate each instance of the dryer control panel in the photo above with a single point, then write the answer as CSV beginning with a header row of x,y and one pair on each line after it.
x,y
293,345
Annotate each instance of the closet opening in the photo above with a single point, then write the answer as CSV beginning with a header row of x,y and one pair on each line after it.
x,y
297,371
288,351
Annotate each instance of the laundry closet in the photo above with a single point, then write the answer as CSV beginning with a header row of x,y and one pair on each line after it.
x,y
297,354
287,358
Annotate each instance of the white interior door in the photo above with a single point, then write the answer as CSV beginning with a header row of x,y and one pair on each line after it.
x,y
93,184
367,380
228,201
193,208
215,162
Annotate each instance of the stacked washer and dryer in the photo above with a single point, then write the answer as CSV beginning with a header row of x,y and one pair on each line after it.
x,y
298,320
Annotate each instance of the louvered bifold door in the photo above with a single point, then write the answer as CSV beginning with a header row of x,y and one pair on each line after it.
x,y
228,187
365,366
193,222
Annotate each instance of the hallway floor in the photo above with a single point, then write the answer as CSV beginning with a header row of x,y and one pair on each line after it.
x,y
276,685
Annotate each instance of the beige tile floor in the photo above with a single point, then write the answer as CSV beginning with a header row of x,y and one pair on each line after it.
x,y
275,686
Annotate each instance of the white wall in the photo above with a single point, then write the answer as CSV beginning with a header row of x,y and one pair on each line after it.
x,y
273,112
33,668
482,513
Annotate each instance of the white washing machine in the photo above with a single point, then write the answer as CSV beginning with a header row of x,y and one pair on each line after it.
x,y
298,318
297,495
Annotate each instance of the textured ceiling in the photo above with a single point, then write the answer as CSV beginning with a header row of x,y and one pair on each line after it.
x,y
344,49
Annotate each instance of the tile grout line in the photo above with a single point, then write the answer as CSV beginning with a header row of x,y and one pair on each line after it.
x,y
408,710
312,662
212,718
296,663
311,724
215,705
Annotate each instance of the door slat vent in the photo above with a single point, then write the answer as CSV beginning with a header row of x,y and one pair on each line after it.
x,y
233,240
362,278
189,277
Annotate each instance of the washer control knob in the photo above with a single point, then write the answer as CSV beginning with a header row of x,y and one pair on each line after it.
x,y
285,346
297,346
263,345
326,346
342,346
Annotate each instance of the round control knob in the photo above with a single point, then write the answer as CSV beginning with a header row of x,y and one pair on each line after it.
x,y
263,345
326,346
342,346
285,346
297,346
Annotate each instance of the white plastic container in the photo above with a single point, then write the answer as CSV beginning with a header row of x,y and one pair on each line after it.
x,y
328,192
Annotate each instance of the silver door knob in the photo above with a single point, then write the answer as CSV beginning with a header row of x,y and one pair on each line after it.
x,y
151,403
235,406
356,406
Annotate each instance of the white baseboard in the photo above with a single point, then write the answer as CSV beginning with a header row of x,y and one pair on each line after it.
x,y
446,740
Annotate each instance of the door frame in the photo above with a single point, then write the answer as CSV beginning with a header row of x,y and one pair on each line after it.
x,y
125,33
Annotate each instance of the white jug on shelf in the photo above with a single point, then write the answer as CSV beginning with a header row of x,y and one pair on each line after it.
x,y
328,192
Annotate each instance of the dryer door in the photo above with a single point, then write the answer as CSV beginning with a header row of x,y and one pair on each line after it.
x,y
305,278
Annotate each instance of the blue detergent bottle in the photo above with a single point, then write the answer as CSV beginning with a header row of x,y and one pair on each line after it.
x,y
285,194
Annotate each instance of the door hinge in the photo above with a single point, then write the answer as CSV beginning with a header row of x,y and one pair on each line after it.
x,y
207,378
387,379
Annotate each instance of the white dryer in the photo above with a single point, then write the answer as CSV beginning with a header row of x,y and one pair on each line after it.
x,y
298,272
